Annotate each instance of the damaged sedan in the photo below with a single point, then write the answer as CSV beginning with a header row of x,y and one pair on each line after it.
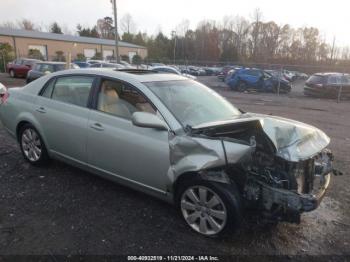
x,y
173,138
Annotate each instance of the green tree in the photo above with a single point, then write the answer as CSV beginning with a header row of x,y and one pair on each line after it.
x,y
60,57
87,32
35,54
6,55
55,28
136,60
81,57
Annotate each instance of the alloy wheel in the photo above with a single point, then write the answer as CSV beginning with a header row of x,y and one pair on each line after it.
x,y
31,144
203,210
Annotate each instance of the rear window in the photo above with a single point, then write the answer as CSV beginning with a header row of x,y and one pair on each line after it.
x,y
316,79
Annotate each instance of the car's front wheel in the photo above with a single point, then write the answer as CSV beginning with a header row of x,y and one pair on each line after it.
x,y
32,145
210,208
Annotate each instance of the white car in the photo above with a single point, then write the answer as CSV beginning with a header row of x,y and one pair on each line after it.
x,y
171,70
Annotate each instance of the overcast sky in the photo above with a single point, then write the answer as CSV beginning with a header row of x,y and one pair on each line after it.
x,y
331,17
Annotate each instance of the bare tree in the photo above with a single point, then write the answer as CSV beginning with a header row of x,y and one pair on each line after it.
x,y
127,24
255,32
26,24
9,25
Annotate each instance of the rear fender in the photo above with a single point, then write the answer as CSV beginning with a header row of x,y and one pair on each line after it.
x,y
31,119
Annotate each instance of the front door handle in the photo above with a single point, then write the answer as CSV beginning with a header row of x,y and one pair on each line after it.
x,y
41,110
97,126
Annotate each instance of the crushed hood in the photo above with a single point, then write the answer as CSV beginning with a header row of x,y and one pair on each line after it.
x,y
293,140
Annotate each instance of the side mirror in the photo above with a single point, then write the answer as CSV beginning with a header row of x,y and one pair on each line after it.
x,y
148,120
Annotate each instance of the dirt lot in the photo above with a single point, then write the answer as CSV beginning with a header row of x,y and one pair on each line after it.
x,y
62,210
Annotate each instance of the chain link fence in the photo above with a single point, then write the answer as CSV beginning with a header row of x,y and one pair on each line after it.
x,y
297,73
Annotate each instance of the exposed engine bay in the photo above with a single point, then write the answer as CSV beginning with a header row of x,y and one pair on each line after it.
x,y
280,167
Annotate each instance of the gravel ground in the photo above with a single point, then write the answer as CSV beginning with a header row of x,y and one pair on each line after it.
x,y
63,210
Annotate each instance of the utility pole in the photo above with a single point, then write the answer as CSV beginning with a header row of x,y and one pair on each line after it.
x,y
116,48
173,33
332,50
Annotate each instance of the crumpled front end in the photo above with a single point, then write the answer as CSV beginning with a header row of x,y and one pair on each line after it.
x,y
281,166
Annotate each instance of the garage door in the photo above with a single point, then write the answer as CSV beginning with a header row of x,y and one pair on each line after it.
x,y
107,54
41,48
88,53
131,55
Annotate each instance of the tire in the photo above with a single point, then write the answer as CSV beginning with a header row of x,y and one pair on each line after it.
x,y
219,217
32,146
242,86
12,73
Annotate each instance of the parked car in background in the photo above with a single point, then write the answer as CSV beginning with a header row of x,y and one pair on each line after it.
x,y
328,85
156,64
107,65
175,139
43,68
289,75
126,64
170,70
193,70
278,74
82,64
21,66
251,78
92,61
122,63
300,75
212,71
222,75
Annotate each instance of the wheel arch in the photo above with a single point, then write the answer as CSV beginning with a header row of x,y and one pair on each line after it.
x,y
218,176
29,120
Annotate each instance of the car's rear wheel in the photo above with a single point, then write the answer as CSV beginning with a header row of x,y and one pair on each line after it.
x,y
242,86
32,145
210,208
12,73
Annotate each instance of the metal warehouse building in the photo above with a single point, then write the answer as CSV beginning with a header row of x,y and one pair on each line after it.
x,y
48,44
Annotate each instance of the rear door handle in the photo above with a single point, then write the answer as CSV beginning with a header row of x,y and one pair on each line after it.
x,y
41,110
97,126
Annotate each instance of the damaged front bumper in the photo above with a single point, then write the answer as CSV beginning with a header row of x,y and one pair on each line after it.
x,y
292,202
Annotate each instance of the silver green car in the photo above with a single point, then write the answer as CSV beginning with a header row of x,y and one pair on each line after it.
x,y
173,138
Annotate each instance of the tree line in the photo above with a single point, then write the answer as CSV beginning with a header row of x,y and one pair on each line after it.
x,y
234,39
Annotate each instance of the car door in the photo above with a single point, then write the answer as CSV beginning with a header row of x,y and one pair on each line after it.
x,y
63,114
17,67
254,78
120,149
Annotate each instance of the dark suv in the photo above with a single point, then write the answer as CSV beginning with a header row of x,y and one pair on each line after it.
x,y
327,85
21,66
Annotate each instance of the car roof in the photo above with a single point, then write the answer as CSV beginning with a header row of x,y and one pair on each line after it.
x,y
135,74
131,76
52,63
29,59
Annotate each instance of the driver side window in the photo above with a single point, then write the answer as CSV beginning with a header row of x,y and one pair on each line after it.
x,y
121,100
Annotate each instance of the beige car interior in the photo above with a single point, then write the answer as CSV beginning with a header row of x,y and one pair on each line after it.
x,y
116,99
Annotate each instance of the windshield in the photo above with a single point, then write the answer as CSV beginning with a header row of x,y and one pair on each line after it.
x,y
193,103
